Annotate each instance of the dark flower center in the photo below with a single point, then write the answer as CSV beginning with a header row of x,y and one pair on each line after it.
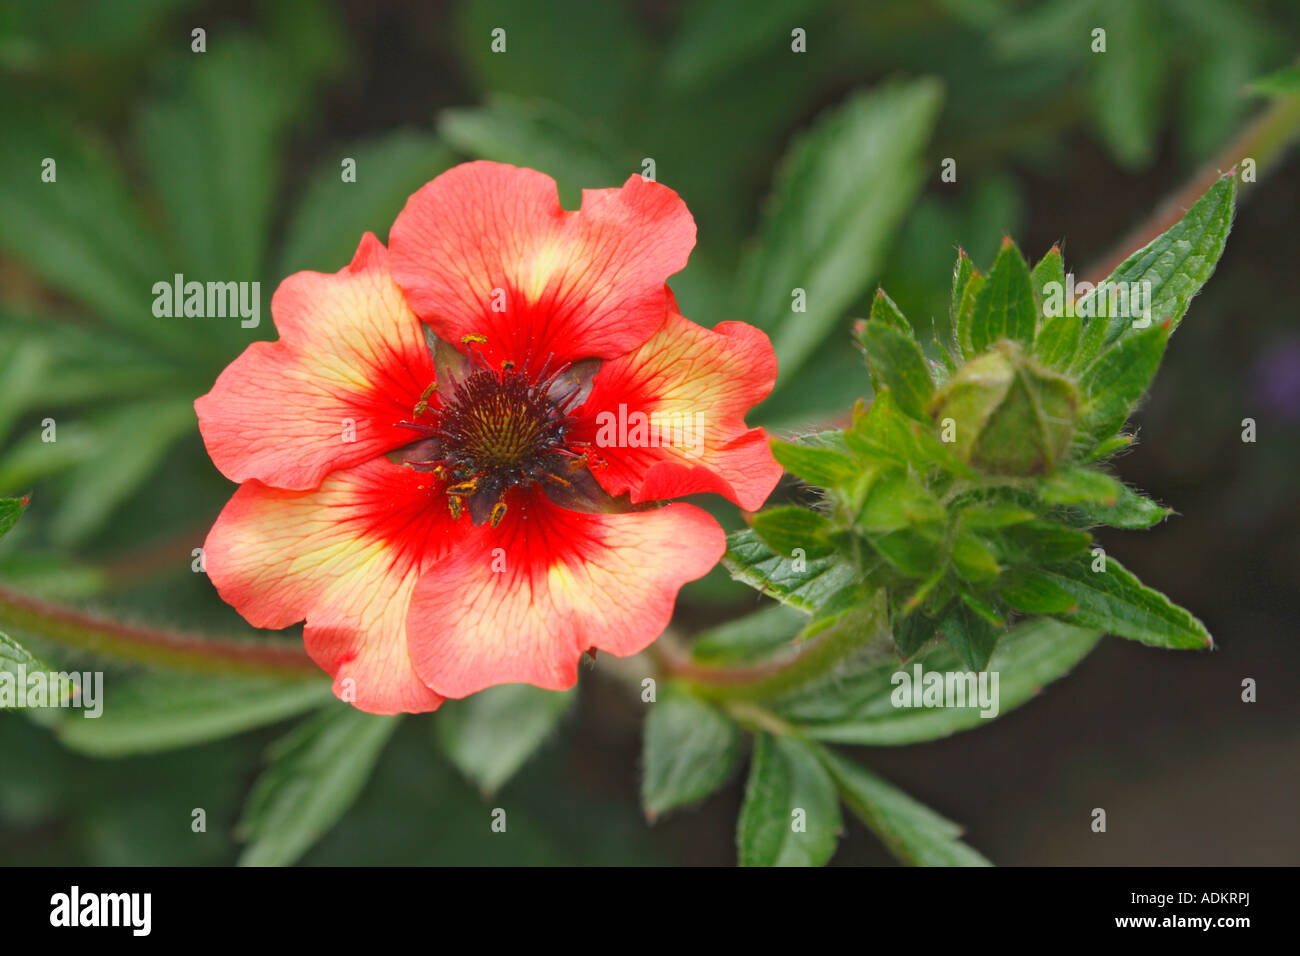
x,y
495,430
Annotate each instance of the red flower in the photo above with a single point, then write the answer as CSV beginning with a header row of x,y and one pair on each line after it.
x,y
447,458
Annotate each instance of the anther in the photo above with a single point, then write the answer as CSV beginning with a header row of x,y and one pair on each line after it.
x,y
498,512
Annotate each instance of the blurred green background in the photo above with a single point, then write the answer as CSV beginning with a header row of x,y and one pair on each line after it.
x,y
818,169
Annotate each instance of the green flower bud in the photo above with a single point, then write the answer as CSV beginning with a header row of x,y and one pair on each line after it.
x,y
1009,415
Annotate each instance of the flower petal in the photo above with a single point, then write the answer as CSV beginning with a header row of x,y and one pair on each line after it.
x,y
524,601
345,557
690,388
486,249
351,361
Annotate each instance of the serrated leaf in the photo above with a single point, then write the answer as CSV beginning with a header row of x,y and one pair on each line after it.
x,y
1004,305
162,711
332,214
863,706
791,813
829,223
491,734
11,509
1036,593
750,637
1113,384
824,467
910,830
970,632
1176,263
315,774
1117,602
886,310
807,588
896,359
691,749
786,528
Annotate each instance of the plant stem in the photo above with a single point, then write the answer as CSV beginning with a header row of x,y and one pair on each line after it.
x,y
191,652
811,659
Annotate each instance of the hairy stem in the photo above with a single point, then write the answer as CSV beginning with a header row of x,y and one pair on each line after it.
x,y
191,652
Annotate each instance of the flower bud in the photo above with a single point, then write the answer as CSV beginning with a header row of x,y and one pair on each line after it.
x,y
1010,416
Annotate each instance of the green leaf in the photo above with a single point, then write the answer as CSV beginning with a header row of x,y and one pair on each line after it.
x,y
896,501
16,659
691,749
1004,305
131,442
896,359
213,146
1035,593
1284,82
1113,384
791,813
973,560
544,46
332,215
966,312
1176,263
824,467
316,772
911,831
717,36
968,630
961,276
805,584
789,527
162,711
1117,602
886,310
1128,81
863,705
1058,334
490,735
750,637
1129,510
11,509
107,261
1072,485
829,222
541,136
1049,269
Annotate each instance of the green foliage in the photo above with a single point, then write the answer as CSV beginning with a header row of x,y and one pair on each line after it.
x,y
791,813
493,733
162,711
691,749
315,774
